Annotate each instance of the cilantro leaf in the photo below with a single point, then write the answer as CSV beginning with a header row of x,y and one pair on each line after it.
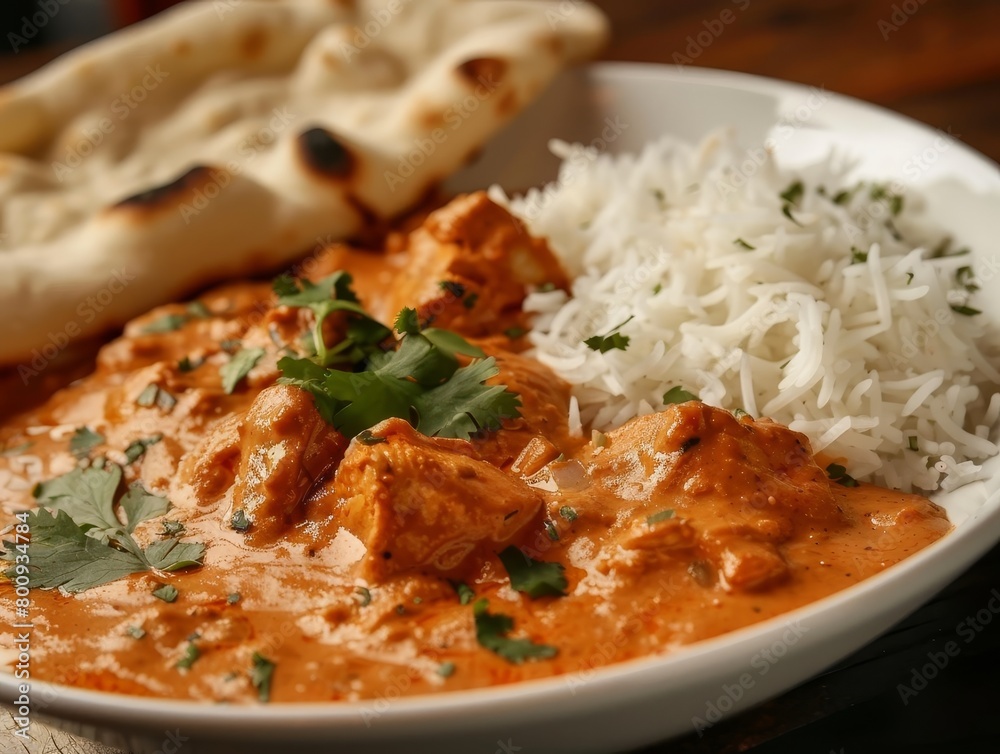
x,y
166,592
83,441
137,448
677,394
62,555
793,193
491,633
659,516
261,676
966,311
331,294
86,495
839,474
138,506
85,544
421,381
191,655
238,367
464,592
166,323
613,340
536,578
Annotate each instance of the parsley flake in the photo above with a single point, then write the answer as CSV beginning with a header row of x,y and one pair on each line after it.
x,y
137,448
568,513
446,669
239,520
743,244
136,632
965,311
464,592
233,598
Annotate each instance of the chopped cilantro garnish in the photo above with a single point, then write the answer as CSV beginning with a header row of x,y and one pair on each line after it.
x,y
137,448
166,592
233,598
446,669
909,278
334,294
363,596
858,256
536,578
147,397
966,311
739,413
613,339
677,394
839,474
166,323
261,676
551,531
659,516
568,513
464,592
965,277
171,529
455,289
367,438
546,287
911,443
238,367
514,332
239,520
793,193
740,242
470,301
786,210
191,654
83,441
187,364
420,381
491,633
657,288
199,310
136,632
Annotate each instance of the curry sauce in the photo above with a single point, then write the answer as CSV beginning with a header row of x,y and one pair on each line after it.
x,y
380,564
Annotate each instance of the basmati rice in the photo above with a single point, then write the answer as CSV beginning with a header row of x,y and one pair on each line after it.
x,y
814,300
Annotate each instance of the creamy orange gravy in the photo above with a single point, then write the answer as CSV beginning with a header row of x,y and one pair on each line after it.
x,y
757,528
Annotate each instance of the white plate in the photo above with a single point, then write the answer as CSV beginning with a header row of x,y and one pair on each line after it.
x,y
638,702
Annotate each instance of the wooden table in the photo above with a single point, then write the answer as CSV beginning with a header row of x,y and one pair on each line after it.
x,y
939,63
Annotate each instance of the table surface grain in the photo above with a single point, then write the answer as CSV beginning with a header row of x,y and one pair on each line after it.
x,y
936,62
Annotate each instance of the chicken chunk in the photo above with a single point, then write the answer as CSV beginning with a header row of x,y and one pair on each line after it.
x,y
468,265
418,502
287,448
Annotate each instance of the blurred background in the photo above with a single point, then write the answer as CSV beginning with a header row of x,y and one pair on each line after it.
x,y
935,61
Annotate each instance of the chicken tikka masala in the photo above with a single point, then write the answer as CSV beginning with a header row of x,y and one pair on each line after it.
x,y
355,480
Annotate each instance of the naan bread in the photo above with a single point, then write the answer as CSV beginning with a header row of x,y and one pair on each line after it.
x,y
231,136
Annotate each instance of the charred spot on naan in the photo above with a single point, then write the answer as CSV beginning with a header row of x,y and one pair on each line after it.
x,y
171,195
252,42
325,156
487,72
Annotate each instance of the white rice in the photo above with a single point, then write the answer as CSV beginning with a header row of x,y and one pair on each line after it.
x,y
861,355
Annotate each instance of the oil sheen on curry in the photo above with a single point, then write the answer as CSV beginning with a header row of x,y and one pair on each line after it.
x,y
354,482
